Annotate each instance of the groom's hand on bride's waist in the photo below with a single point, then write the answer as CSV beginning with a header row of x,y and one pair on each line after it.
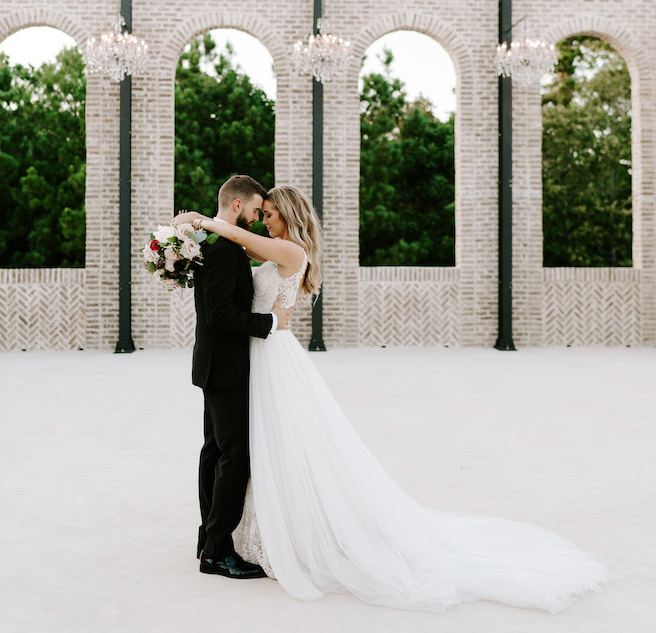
x,y
282,315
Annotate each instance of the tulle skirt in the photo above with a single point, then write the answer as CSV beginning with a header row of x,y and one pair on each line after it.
x,y
328,518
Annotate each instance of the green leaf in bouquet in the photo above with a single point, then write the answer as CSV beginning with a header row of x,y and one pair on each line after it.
x,y
151,267
212,238
172,239
191,235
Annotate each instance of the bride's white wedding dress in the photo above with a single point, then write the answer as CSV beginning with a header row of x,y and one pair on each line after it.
x,y
322,515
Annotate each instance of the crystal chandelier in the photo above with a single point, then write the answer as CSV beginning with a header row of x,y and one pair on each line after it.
x,y
116,53
323,56
526,61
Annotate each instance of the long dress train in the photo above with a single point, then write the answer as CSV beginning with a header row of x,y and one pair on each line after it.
x,y
324,516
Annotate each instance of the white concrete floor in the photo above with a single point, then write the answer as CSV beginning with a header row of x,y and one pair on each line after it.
x,y
98,510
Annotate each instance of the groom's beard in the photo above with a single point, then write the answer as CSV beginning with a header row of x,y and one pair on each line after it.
x,y
243,222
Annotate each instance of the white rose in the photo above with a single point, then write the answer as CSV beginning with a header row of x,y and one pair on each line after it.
x,y
189,249
150,255
181,231
171,257
163,233
170,284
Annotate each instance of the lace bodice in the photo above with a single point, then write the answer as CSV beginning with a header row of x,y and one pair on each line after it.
x,y
268,285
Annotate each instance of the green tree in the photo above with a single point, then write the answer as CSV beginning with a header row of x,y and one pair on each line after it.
x,y
586,150
42,162
407,177
223,125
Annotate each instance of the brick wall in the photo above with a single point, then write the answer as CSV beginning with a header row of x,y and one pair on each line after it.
x,y
460,303
43,308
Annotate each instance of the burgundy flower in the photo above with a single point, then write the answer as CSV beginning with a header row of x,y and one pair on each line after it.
x,y
154,245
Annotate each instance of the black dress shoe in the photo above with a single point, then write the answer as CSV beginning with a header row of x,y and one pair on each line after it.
x,y
232,566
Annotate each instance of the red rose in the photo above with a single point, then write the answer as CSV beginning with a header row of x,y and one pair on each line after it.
x,y
154,245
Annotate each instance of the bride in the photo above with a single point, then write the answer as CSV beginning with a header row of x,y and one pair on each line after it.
x,y
321,513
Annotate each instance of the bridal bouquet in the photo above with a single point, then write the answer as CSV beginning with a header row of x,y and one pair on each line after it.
x,y
173,252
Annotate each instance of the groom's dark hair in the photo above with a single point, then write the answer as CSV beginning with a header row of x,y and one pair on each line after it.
x,y
242,187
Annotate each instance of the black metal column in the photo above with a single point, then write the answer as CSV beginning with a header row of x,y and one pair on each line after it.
x,y
316,342
125,343
504,340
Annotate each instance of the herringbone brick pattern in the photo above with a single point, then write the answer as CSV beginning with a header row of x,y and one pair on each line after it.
x,y
591,307
359,307
42,309
409,306
183,320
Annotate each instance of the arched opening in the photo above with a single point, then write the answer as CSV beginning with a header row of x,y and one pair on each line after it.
x,y
42,150
407,167
586,157
224,116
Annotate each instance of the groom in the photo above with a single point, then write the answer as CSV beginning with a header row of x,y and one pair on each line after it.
x,y
223,294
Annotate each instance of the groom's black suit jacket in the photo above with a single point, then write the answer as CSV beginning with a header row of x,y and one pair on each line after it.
x,y
223,294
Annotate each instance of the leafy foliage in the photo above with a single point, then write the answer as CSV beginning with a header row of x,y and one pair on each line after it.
x,y
42,163
223,126
586,150
407,177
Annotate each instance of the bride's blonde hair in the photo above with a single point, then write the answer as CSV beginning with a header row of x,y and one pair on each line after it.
x,y
303,228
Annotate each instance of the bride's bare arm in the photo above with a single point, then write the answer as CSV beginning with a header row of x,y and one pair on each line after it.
x,y
285,253
190,216
255,256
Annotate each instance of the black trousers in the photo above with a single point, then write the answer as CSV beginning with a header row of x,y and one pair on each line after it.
x,y
224,469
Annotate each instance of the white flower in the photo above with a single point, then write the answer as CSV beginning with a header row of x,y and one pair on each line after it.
x,y
171,257
163,233
189,249
150,255
170,284
181,230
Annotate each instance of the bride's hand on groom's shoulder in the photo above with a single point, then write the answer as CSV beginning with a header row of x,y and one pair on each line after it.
x,y
187,217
